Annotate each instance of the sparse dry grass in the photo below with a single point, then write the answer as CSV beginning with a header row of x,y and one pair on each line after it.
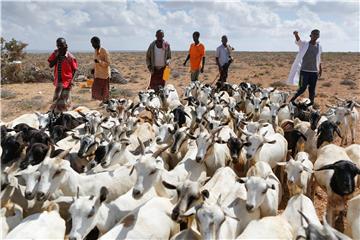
x,y
278,84
327,84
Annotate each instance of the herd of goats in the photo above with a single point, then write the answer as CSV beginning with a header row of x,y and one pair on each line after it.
x,y
213,163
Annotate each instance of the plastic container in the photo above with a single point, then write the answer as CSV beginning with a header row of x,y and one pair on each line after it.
x,y
89,82
166,73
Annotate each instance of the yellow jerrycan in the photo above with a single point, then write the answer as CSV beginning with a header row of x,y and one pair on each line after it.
x,y
166,73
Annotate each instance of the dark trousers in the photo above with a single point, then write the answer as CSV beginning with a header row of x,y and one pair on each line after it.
x,y
307,80
224,73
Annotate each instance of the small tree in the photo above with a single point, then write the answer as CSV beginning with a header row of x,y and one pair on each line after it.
x,y
14,49
11,51
3,52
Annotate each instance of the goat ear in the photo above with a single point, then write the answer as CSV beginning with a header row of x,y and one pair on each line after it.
x,y
242,180
132,170
105,119
77,192
357,170
168,185
205,193
204,180
92,212
189,212
159,164
283,105
220,141
191,136
171,131
13,182
326,167
281,163
302,136
103,194
307,169
75,136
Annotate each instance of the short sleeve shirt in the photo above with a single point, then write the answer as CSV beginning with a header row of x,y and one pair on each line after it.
x,y
197,52
64,69
223,54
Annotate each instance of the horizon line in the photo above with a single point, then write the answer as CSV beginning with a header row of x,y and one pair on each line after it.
x,y
91,51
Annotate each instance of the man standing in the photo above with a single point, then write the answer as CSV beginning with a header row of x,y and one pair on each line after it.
x,y
64,73
223,59
100,87
308,63
197,57
157,57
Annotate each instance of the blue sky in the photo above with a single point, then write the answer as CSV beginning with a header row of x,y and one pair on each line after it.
x,y
131,25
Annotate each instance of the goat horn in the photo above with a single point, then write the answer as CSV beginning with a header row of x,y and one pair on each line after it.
x,y
303,215
142,147
329,106
159,151
48,153
77,192
244,132
63,154
339,99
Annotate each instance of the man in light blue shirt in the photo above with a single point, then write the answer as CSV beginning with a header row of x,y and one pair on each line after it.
x,y
223,59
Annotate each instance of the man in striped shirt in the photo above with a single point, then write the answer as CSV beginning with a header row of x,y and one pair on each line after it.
x,y
64,72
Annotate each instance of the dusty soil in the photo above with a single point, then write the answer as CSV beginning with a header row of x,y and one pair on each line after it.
x,y
263,68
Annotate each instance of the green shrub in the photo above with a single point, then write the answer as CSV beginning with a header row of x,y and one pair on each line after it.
x,y
6,94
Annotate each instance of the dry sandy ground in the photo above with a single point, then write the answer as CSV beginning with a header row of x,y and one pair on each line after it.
x,y
264,68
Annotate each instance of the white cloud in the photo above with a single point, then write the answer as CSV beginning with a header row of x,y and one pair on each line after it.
x,y
131,25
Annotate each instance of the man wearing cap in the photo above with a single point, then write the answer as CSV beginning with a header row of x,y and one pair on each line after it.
x,y
306,68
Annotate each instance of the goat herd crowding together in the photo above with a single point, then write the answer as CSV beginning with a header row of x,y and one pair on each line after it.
x,y
215,163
